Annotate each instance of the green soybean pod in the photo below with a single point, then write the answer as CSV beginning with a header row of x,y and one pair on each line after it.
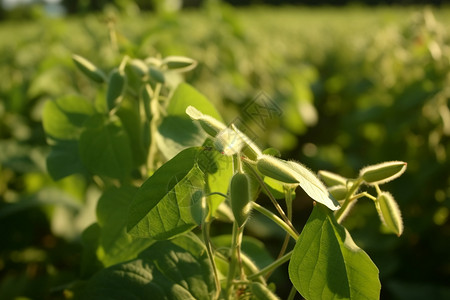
x,y
146,97
277,169
157,75
332,179
210,125
240,198
88,68
261,292
339,192
389,212
382,173
116,86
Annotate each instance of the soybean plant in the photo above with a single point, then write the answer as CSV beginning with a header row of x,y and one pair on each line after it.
x,y
168,172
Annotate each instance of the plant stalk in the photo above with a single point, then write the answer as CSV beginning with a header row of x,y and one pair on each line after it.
x,y
269,194
276,219
348,199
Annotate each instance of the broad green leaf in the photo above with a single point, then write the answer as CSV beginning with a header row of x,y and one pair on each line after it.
x,y
105,148
64,160
169,202
89,261
115,244
63,118
327,264
177,131
178,269
181,209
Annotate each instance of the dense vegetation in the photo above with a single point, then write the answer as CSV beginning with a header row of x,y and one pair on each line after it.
x,y
353,87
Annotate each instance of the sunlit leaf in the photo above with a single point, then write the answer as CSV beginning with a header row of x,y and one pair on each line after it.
x,y
115,244
170,201
177,131
327,264
63,118
105,148
175,269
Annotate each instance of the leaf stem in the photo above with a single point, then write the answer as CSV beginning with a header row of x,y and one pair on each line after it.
x,y
292,293
342,212
233,261
276,219
206,229
156,114
269,194
288,198
272,266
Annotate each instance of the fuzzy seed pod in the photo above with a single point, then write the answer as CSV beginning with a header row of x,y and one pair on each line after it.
x,y
389,212
277,169
116,86
139,68
88,69
332,179
339,192
382,173
146,96
240,198
156,74
210,125
179,63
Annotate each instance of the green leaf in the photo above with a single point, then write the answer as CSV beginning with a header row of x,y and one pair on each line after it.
x,y
170,201
327,264
105,148
177,131
176,269
89,261
63,119
115,244
64,160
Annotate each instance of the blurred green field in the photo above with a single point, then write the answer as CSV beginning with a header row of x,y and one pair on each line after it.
x,y
355,86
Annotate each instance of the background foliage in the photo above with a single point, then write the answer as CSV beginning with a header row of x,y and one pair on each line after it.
x,y
354,86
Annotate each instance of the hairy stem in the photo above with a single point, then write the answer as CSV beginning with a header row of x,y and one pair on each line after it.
x,y
155,109
348,200
205,231
288,198
276,219
269,194
233,261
